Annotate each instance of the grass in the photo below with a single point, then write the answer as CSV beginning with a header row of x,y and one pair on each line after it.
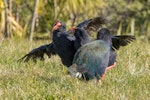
x,y
130,80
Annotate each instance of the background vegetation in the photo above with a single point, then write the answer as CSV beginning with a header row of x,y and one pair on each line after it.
x,y
24,20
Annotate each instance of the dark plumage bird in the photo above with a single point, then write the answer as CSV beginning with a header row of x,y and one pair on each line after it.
x,y
64,45
92,59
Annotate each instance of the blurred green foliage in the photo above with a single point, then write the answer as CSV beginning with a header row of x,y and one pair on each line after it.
x,y
124,16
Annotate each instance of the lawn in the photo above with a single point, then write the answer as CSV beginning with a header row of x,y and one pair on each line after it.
x,y
129,80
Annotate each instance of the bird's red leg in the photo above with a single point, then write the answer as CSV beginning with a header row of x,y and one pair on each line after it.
x,y
102,77
110,67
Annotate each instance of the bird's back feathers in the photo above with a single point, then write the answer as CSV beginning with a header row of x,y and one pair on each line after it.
x,y
92,58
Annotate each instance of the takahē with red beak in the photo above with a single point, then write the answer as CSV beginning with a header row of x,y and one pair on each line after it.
x,y
64,45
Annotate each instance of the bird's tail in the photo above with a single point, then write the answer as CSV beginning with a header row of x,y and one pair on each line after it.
x,y
76,71
80,72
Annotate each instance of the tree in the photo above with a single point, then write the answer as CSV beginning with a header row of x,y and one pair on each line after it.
x,y
6,30
34,16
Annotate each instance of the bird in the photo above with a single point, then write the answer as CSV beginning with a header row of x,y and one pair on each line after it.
x,y
64,45
92,59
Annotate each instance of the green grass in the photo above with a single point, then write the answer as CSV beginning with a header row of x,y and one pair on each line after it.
x,y
129,80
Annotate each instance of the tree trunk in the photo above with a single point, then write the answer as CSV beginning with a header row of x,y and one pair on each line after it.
x,y
17,13
6,30
132,26
55,10
10,12
73,20
34,16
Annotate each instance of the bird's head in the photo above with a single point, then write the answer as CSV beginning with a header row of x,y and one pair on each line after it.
x,y
104,34
81,36
59,26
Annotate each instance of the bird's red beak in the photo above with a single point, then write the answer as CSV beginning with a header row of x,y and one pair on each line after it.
x,y
56,26
72,30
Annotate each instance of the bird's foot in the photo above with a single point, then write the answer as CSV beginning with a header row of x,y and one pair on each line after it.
x,y
110,67
99,82
103,76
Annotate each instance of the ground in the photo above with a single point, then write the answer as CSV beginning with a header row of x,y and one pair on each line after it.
x,y
129,80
